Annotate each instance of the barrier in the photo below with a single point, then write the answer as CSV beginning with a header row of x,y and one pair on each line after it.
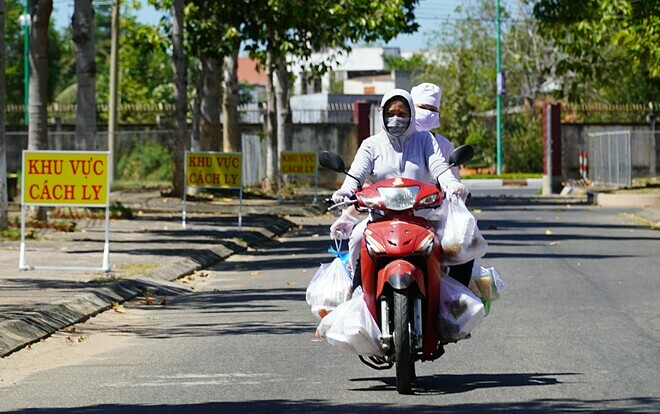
x,y
213,170
71,178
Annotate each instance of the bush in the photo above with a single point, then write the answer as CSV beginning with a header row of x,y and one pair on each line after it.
x,y
148,162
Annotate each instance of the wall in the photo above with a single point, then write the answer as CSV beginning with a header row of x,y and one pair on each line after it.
x,y
574,138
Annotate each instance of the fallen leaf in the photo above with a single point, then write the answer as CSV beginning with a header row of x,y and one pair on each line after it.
x,y
315,235
71,329
476,211
554,243
548,232
184,281
163,302
118,308
64,248
254,273
82,338
290,283
190,278
149,301
165,228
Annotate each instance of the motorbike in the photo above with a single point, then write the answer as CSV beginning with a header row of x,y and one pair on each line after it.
x,y
400,267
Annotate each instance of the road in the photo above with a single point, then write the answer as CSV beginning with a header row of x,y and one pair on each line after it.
x,y
576,330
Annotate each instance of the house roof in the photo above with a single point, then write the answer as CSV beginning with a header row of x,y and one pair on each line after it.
x,y
249,73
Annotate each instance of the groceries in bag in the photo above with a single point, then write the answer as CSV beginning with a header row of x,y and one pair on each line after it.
x,y
460,310
330,287
350,328
461,239
486,283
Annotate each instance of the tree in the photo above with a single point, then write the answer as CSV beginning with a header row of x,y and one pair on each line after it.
x,y
610,44
179,70
231,134
3,144
281,28
40,11
82,23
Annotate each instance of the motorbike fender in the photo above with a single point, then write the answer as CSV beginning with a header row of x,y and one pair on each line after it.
x,y
400,274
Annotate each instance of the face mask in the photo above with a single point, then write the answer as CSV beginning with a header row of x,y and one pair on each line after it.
x,y
426,120
397,125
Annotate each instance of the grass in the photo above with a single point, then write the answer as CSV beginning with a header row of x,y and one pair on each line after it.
x,y
505,176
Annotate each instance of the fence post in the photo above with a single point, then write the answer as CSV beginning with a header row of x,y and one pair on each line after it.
x,y
552,178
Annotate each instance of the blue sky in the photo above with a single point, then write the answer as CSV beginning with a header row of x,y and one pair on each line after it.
x,y
429,13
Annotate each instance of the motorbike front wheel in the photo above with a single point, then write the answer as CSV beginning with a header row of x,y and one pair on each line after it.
x,y
405,363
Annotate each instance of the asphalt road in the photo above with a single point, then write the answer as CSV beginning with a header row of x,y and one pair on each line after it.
x,y
576,330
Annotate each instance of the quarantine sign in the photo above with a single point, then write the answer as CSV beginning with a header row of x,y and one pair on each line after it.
x,y
298,163
214,169
53,178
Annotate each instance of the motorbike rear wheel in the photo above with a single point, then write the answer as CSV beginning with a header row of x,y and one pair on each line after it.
x,y
403,355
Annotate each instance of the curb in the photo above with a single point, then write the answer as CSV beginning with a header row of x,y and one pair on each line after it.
x,y
44,321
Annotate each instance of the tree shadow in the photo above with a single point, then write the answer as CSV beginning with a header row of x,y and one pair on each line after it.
x,y
539,406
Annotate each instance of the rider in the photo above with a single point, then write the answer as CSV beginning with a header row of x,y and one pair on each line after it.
x,y
427,97
396,151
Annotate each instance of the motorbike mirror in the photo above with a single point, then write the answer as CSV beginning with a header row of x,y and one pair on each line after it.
x,y
461,155
332,161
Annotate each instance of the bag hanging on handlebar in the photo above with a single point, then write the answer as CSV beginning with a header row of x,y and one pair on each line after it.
x,y
461,239
330,287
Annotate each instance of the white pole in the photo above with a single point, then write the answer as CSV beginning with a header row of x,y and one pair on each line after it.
x,y
106,246
185,189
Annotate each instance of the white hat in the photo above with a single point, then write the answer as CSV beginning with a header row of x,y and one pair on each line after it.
x,y
426,93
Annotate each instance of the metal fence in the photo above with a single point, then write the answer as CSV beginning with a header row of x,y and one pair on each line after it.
x,y
610,158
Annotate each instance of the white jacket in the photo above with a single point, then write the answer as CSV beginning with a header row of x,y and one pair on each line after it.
x,y
414,155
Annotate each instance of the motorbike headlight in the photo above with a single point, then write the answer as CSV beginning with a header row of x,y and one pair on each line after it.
x,y
399,198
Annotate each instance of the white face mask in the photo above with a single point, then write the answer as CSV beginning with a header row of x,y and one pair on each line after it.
x,y
426,120
397,125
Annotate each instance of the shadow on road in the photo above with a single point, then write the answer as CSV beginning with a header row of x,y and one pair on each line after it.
x,y
538,406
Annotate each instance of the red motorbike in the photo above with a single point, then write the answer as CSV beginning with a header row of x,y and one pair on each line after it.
x,y
400,267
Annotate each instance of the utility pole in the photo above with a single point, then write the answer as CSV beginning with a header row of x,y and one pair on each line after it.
x,y
112,109
500,92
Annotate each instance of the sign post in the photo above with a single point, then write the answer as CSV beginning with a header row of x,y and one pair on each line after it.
x,y
71,178
213,170
300,163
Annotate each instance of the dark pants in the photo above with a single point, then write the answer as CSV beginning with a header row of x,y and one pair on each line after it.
x,y
462,272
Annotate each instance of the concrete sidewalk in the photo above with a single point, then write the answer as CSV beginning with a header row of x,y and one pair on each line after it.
x,y
147,253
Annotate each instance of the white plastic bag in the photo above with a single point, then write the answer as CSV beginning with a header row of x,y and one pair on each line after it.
x,y
486,283
460,310
461,239
352,329
330,287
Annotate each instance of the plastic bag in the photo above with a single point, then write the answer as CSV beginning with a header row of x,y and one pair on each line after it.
x,y
460,310
351,328
486,283
330,287
461,239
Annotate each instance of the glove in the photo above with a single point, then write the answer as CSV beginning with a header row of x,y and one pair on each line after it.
x,y
342,227
457,190
340,196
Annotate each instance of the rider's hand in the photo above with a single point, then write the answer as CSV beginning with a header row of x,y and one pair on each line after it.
x,y
340,196
457,190
342,227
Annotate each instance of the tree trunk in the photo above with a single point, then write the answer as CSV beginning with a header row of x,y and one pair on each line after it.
x,y
179,68
197,104
83,37
283,93
271,131
3,143
40,11
231,133
210,139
